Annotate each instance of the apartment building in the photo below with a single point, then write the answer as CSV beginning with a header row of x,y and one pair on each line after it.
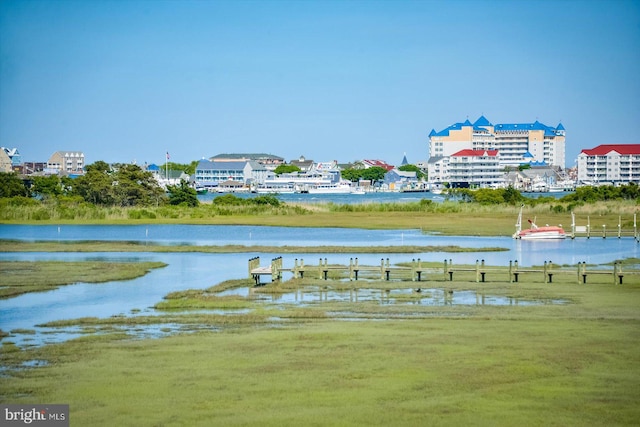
x,y
518,143
213,173
66,162
609,164
475,168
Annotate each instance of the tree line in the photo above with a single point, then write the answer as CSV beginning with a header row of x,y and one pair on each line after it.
x,y
127,185
102,185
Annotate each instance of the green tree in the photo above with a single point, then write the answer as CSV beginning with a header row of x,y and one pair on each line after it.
x,y
512,196
374,174
191,169
183,194
47,186
95,186
11,185
135,187
98,166
353,175
286,169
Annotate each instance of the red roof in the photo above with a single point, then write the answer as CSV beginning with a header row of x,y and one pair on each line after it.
x,y
476,153
379,163
624,149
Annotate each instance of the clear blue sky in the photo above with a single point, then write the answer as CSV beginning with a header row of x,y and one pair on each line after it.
x,y
330,80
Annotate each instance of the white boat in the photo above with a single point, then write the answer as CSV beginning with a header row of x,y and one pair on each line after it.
x,y
341,187
284,188
547,232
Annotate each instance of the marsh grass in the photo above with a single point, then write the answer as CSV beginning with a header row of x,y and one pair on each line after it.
x,y
452,218
115,246
557,364
20,277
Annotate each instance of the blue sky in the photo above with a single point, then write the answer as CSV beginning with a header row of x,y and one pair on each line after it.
x,y
130,80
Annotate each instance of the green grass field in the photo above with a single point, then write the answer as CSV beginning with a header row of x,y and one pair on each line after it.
x,y
574,363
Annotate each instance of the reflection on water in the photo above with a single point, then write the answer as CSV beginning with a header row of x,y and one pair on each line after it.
x,y
201,271
425,297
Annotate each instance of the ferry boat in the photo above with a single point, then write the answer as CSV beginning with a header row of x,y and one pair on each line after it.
x,y
547,232
341,187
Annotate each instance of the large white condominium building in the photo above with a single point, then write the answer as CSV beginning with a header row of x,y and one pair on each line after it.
x,y
518,143
467,168
609,164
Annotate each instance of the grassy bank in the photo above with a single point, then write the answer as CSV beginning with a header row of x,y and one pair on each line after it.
x,y
572,363
111,246
20,277
450,218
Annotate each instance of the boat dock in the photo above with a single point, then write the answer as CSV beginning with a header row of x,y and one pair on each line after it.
x,y
588,231
417,272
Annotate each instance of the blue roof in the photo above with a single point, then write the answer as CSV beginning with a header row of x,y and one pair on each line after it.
x,y
560,127
527,155
482,121
445,132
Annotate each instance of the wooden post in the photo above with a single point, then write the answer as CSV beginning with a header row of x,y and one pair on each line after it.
x,y
619,226
544,271
619,274
382,269
477,271
445,269
253,264
510,270
579,272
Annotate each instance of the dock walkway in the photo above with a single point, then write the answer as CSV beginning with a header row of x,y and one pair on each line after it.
x,y
417,272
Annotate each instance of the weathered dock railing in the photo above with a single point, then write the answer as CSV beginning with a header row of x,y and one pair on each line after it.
x,y
588,232
416,271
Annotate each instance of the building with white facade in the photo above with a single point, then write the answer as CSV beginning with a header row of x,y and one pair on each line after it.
x,y
212,174
609,164
467,168
518,143
475,168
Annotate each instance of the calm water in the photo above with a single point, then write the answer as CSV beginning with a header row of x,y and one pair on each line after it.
x,y
377,197
196,270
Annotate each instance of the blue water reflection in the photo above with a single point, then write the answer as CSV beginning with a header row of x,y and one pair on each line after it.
x,y
200,270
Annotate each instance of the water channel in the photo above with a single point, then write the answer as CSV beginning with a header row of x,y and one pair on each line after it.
x,y
201,270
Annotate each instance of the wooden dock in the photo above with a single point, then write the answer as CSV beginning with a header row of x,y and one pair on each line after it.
x,y
588,231
417,272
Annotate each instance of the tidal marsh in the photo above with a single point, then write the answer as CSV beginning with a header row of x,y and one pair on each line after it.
x,y
20,277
